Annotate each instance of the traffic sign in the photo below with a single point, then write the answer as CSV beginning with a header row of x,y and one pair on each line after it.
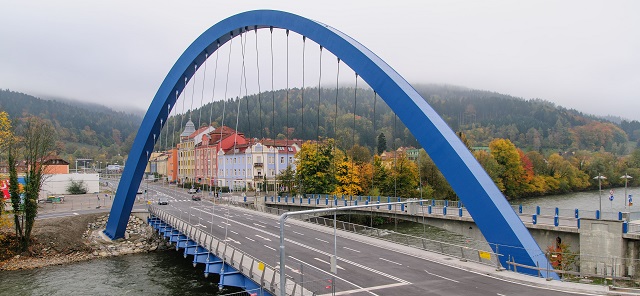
x,y
611,198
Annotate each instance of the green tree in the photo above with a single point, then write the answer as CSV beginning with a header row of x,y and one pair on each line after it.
x,y
382,143
403,179
380,176
36,142
314,164
287,178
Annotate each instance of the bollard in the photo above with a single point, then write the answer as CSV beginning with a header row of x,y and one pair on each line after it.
x,y
429,209
625,227
556,221
520,209
433,202
537,210
619,216
578,223
446,202
557,212
459,212
577,214
534,219
444,211
355,203
402,208
598,214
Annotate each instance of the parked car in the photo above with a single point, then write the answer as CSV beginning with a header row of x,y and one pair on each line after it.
x,y
196,197
163,201
192,191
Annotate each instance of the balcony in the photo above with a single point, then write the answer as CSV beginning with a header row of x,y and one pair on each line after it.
x,y
257,178
258,165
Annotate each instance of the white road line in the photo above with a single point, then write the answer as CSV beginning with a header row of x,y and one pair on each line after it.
x,y
442,277
349,292
298,233
233,232
220,226
324,241
325,262
350,249
390,261
262,237
270,248
337,277
500,294
259,225
253,240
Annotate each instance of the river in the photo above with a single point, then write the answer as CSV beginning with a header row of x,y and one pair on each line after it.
x,y
168,273
156,273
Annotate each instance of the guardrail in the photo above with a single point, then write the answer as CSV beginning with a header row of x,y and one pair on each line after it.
x,y
263,274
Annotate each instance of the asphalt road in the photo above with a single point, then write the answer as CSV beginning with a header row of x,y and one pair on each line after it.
x,y
363,268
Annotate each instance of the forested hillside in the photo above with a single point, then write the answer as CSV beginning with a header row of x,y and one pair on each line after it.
x,y
83,131
483,116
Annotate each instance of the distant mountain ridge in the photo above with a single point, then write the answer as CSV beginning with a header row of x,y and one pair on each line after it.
x,y
84,129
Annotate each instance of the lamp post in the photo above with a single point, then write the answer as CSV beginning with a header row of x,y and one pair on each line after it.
x,y
600,177
626,178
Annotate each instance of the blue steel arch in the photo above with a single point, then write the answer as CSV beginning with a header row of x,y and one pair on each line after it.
x,y
490,210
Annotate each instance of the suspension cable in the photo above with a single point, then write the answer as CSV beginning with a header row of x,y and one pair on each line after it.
x,y
318,111
355,97
273,94
213,93
373,167
304,39
193,91
204,78
335,115
246,94
258,79
224,104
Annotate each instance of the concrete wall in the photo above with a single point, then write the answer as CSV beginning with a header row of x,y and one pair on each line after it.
x,y
57,184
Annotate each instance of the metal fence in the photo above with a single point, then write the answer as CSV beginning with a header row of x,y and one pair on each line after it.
x,y
265,275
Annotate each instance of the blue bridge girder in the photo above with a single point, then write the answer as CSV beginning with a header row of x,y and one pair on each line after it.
x,y
497,221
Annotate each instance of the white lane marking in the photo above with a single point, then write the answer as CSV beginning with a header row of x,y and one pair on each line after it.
x,y
298,233
220,226
325,262
270,248
324,241
500,294
442,277
327,254
262,237
259,225
225,223
233,240
350,249
233,232
333,275
76,214
390,261
349,292
253,240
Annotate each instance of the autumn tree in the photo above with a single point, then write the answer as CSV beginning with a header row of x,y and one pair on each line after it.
x,y
35,143
380,176
347,178
6,135
507,156
403,178
287,178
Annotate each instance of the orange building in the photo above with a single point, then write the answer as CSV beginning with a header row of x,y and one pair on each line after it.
x,y
172,165
56,166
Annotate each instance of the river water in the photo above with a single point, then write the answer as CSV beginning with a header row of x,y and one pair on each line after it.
x,y
157,273
168,273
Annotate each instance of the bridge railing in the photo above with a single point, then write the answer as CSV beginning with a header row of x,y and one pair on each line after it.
x,y
265,275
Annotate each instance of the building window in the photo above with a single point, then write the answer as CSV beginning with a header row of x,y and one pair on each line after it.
x,y
281,159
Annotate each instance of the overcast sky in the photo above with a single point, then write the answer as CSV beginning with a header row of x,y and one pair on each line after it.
x,y
577,54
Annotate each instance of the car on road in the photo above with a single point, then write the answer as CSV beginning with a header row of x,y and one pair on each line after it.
x,y
163,201
192,191
196,197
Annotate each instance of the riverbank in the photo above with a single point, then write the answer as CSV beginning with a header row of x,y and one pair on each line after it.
x,y
76,238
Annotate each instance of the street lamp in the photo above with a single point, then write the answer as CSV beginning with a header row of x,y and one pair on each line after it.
x,y
626,180
600,177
